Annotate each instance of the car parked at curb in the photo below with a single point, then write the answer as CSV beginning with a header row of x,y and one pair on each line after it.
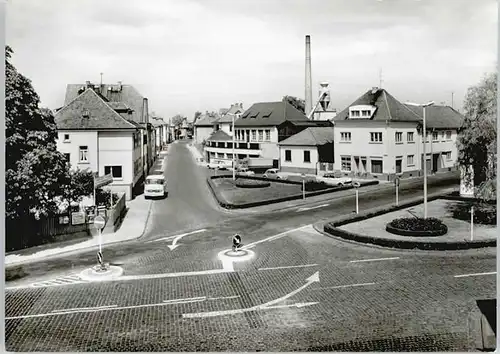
x,y
331,179
243,171
218,165
274,173
155,186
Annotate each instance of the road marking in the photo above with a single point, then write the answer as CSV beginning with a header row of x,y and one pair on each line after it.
x,y
174,244
310,208
344,286
298,305
374,260
268,305
168,275
84,308
162,239
473,274
275,237
186,300
286,267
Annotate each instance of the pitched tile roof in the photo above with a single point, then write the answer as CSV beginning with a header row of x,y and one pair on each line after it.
x,y
269,114
314,136
219,135
118,106
127,95
388,108
205,121
440,117
100,114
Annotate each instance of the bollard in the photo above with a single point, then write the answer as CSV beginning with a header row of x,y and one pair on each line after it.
x,y
472,223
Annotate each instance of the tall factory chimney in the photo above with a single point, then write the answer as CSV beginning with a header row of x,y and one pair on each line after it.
x,y
308,96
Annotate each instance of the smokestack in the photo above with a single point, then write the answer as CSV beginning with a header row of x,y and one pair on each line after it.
x,y
308,95
145,117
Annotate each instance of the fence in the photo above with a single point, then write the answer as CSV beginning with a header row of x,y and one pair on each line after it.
x,y
115,214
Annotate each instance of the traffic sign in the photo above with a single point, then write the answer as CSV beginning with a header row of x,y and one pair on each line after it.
x,y
356,184
303,175
99,222
396,181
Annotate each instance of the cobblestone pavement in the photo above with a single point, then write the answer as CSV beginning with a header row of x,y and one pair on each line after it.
x,y
366,299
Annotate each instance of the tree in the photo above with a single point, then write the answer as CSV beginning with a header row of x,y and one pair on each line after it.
x,y
196,116
36,173
477,140
298,103
81,185
177,120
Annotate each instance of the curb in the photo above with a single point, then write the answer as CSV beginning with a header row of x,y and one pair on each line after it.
x,y
330,229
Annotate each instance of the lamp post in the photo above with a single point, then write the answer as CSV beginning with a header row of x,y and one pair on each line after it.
x,y
424,134
234,160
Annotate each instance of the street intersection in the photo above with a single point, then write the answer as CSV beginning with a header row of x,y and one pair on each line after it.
x,y
289,288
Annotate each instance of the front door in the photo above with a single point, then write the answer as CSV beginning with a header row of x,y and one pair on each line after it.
x,y
356,164
435,162
363,164
399,164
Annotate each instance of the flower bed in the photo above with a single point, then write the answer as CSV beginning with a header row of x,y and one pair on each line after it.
x,y
417,227
316,186
251,183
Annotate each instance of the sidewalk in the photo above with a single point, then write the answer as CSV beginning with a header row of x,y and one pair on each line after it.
x,y
196,153
132,227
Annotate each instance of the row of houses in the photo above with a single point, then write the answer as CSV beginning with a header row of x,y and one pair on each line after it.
x,y
376,136
108,129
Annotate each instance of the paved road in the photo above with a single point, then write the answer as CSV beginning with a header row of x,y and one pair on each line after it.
x,y
367,298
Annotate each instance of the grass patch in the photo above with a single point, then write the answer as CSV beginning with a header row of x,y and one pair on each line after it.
x,y
234,195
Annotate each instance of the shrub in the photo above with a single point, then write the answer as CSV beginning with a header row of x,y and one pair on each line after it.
x,y
251,183
417,227
315,186
485,214
103,197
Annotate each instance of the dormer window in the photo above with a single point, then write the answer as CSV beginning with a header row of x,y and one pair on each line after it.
x,y
365,113
86,113
355,113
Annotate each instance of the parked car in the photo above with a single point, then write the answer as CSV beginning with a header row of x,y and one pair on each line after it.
x,y
243,171
274,173
155,186
218,165
331,179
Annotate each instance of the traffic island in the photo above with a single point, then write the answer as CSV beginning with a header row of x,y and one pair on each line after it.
x,y
232,196
99,273
371,227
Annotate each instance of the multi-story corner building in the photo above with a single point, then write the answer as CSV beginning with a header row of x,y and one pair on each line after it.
x,y
204,126
99,135
129,97
258,131
379,137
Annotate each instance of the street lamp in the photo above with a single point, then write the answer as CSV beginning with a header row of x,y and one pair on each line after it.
x,y
424,106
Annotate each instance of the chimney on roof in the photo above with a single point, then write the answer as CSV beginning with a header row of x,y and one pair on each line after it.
x,y
374,89
145,115
119,85
88,84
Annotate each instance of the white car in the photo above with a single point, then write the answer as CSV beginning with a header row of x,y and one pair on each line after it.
x,y
274,173
155,186
244,172
329,178
217,165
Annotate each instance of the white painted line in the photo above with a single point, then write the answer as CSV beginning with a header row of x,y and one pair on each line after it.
x,y
374,260
178,237
168,275
311,208
162,239
473,274
344,286
174,244
286,267
275,237
224,297
192,299
84,308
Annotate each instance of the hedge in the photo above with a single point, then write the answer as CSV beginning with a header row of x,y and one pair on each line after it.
x,y
223,203
244,183
417,227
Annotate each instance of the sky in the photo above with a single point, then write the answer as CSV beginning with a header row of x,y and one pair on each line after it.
x,y
202,55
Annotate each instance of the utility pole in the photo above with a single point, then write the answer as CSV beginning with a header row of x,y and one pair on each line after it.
x,y
101,77
452,93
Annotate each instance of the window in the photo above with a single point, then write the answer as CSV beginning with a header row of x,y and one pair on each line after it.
x,y
288,155
261,135
322,166
67,157
66,138
83,156
427,137
145,139
268,135
409,137
448,155
345,163
355,113
376,166
307,156
365,113
409,160
345,136
229,156
254,135
448,135
220,155
442,135
399,137
435,136
116,171
231,128
376,137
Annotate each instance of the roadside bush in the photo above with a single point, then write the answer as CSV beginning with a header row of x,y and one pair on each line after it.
x,y
484,213
103,197
312,186
417,227
251,183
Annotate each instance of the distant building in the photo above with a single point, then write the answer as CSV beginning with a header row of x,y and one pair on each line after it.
x,y
379,137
